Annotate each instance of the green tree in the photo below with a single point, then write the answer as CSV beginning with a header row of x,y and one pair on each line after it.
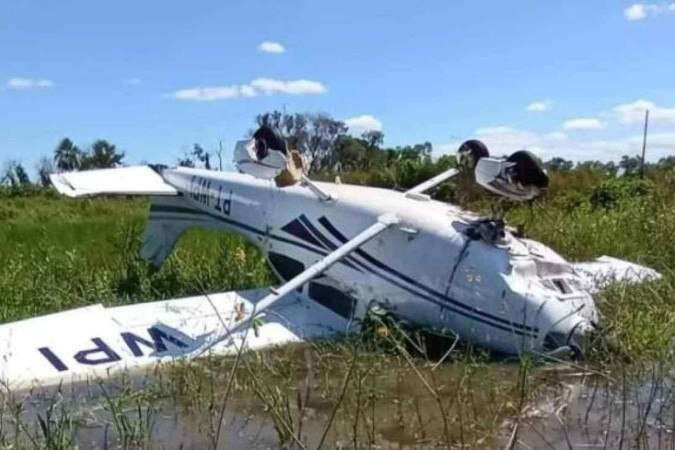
x,y
67,156
21,175
195,157
558,164
666,163
186,161
8,177
314,135
201,155
373,138
14,175
44,169
351,154
630,164
417,152
101,155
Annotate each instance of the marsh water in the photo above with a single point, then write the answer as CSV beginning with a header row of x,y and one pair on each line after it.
x,y
376,402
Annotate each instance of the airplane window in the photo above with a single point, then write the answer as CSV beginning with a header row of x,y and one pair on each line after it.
x,y
562,286
333,299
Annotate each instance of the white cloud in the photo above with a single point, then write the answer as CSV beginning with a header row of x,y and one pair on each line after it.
x,y
640,11
583,123
504,140
271,47
295,87
635,112
259,86
22,84
636,11
247,91
360,124
539,106
132,81
208,94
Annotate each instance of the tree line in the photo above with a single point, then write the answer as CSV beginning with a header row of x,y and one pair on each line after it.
x,y
67,157
328,146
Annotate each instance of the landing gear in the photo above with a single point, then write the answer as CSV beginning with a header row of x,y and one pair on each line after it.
x,y
518,177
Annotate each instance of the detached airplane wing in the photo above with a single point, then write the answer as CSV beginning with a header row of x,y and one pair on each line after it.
x,y
97,342
134,180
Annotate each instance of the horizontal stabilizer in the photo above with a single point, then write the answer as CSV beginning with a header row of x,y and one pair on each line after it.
x,y
606,270
134,180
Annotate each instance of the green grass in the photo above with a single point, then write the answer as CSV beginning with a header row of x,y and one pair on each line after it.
x,y
638,321
59,253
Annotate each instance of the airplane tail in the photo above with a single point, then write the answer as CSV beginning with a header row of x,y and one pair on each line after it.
x,y
134,180
169,217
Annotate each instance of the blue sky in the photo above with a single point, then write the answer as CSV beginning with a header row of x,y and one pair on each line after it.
x,y
565,78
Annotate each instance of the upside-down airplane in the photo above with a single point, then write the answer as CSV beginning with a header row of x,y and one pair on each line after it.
x,y
339,250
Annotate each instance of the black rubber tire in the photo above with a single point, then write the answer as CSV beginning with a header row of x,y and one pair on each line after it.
x,y
529,170
266,138
475,150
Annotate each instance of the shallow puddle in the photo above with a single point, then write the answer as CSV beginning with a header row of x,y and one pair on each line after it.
x,y
303,398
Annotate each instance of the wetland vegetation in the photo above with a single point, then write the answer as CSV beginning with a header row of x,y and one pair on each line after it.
x,y
388,388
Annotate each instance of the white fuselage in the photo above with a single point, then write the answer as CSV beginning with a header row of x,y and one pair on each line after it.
x,y
512,296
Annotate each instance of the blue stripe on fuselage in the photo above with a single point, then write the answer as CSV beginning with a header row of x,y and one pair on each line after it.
x,y
326,223
471,314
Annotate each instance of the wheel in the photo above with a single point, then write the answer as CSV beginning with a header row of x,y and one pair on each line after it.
x,y
470,152
528,170
266,139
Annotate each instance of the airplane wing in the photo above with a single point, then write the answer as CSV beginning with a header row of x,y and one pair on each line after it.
x,y
606,270
97,342
134,180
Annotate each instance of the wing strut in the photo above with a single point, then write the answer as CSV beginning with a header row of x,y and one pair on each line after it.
x,y
431,182
383,222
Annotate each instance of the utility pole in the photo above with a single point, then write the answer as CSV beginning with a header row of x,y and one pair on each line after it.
x,y
644,145
220,155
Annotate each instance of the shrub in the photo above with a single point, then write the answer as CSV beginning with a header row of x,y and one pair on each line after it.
x,y
616,190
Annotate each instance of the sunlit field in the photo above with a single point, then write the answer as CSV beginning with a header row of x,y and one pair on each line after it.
x,y
390,387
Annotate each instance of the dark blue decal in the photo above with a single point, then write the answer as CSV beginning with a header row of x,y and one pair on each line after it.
x,y
108,355
157,344
54,360
298,230
220,194
200,190
227,204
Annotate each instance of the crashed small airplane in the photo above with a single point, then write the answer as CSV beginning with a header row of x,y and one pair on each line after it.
x,y
338,250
